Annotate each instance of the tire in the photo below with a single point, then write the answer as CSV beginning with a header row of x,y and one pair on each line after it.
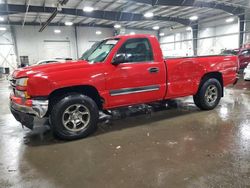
x,y
209,94
74,116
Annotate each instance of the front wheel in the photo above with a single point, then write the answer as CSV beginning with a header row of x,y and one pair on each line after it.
x,y
74,116
209,94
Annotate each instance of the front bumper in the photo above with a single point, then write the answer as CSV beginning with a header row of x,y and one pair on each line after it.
x,y
38,108
26,120
25,114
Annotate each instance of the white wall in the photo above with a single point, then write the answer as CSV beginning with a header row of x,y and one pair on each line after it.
x,y
87,37
30,42
177,44
211,39
214,39
7,50
247,34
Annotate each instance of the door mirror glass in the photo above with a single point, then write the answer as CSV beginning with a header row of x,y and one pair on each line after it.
x,y
119,58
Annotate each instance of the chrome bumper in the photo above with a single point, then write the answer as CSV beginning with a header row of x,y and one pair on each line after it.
x,y
39,108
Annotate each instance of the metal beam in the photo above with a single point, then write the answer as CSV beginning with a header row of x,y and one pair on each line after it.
x,y
13,36
56,24
194,3
76,37
242,30
98,14
27,4
53,15
195,29
45,24
78,25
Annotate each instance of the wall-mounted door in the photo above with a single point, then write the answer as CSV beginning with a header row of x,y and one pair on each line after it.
x,y
56,49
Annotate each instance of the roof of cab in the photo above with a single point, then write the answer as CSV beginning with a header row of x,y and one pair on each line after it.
x,y
127,36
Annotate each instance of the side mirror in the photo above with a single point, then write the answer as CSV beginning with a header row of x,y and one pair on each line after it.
x,y
119,58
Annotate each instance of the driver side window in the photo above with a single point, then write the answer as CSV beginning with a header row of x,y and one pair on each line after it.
x,y
137,50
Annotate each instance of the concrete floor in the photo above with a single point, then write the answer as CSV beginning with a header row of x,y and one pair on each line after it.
x,y
177,147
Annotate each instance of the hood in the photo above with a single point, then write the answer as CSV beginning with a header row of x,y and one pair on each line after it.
x,y
49,68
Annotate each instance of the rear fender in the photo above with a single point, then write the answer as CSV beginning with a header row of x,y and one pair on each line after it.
x,y
216,75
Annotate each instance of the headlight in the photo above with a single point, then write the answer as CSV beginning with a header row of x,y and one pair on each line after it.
x,y
20,94
22,82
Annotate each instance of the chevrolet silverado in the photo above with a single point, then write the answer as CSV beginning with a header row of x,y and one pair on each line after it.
x,y
116,72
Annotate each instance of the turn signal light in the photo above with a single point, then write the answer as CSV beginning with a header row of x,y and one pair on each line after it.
x,y
16,100
21,101
28,103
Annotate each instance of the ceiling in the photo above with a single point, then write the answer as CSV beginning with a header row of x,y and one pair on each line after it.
x,y
129,6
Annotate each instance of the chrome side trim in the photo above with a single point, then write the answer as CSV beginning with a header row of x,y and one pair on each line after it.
x,y
39,108
127,91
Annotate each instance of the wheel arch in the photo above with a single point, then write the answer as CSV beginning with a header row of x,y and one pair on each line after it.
x,y
87,90
216,75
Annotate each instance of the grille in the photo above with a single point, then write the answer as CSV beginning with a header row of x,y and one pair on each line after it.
x,y
13,82
13,85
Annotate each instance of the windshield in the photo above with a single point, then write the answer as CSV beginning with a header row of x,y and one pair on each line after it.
x,y
99,51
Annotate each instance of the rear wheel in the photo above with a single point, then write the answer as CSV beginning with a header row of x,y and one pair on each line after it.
x,y
74,116
209,94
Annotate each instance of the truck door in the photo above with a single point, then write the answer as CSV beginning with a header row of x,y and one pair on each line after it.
x,y
139,79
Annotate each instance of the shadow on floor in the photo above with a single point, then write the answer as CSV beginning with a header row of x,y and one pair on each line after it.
x,y
124,118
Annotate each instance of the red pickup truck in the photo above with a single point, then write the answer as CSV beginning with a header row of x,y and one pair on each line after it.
x,y
117,72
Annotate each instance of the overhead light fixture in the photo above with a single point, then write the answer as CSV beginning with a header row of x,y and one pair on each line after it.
x,y
98,32
3,28
148,14
132,33
68,23
193,18
117,26
57,31
88,9
1,19
229,20
156,27
162,34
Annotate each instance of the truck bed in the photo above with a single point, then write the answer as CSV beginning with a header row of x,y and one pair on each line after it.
x,y
184,73
182,57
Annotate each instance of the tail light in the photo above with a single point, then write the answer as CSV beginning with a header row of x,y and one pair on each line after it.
x,y
238,65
